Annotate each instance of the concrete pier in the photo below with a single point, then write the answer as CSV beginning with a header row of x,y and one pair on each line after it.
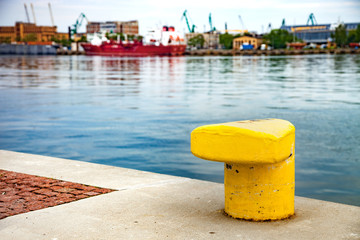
x,y
155,206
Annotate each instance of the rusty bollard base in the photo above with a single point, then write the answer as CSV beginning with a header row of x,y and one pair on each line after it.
x,y
259,172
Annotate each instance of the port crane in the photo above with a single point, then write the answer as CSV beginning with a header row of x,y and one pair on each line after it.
x,y
74,29
241,22
51,15
33,12
27,13
191,29
212,29
312,19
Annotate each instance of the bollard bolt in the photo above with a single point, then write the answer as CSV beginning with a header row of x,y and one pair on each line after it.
x,y
259,165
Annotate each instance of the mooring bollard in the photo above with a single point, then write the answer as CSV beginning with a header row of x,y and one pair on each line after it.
x,y
259,165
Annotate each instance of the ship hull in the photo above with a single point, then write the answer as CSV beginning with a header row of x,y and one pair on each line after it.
x,y
133,50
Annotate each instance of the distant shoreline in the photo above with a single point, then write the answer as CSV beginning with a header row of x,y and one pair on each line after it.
x,y
198,52
223,52
254,52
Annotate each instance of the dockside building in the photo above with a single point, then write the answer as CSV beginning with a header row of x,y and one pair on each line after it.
x,y
21,30
125,27
318,34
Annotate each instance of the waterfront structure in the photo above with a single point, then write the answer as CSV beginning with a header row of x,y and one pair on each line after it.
x,y
148,204
319,33
246,40
22,30
211,39
125,27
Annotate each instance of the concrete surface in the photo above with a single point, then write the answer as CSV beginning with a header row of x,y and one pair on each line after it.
x,y
155,206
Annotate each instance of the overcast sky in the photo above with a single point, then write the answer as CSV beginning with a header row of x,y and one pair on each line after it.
x,y
256,14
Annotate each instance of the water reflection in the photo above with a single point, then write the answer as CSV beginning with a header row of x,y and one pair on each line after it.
x,y
139,112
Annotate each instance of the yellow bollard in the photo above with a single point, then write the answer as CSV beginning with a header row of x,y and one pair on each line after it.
x,y
259,160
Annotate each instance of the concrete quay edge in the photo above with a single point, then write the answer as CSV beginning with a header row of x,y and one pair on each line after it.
x,y
156,206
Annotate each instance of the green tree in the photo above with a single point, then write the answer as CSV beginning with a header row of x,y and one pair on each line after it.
x,y
351,37
139,38
354,35
357,34
226,40
54,39
278,38
131,37
197,41
5,39
30,37
82,39
340,35
65,42
114,36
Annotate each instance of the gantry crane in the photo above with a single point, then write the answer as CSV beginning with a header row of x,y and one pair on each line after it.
x,y
191,29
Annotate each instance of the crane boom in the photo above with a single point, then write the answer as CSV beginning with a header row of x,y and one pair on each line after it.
x,y
212,29
33,12
27,13
242,23
191,29
51,15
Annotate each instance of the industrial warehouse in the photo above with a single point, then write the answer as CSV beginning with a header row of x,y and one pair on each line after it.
x,y
316,33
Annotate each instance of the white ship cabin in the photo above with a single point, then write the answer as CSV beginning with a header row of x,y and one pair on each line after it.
x,y
165,36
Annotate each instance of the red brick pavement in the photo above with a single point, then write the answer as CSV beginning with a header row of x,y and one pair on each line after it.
x,y
21,193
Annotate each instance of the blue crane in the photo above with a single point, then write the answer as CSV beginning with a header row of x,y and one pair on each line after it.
x,y
77,24
312,19
191,29
212,29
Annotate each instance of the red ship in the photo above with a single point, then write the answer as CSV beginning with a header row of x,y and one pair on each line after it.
x,y
132,49
157,43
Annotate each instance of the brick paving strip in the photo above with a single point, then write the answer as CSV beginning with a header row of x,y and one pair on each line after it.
x,y
21,193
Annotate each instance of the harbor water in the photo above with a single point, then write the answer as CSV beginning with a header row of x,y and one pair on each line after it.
x,y
139,112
